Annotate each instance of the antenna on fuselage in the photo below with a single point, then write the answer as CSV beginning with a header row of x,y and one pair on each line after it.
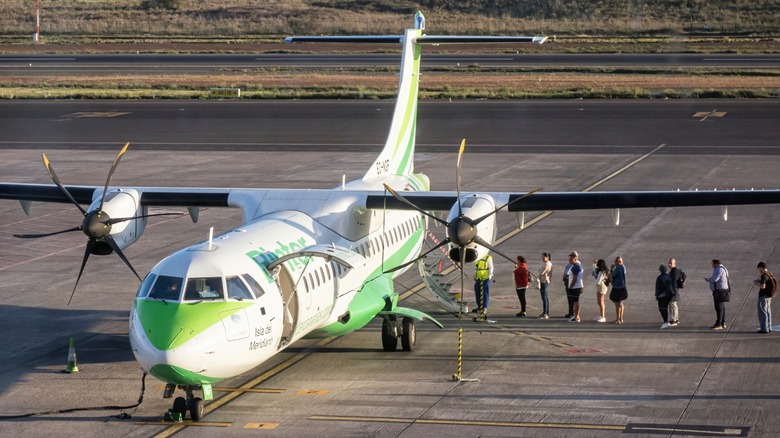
x,y
211,236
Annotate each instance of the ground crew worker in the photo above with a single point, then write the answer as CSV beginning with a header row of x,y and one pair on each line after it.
x,y
483,274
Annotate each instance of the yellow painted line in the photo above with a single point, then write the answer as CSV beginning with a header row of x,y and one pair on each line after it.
x,y
251,390
312,392
470,422
562,345
185,423
261,425
707,114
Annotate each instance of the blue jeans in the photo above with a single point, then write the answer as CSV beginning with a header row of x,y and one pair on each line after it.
x,y
545,298
482,291
765,313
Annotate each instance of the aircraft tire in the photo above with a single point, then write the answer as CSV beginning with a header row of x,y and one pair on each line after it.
x,y
196,409
180,406
389,337
409,334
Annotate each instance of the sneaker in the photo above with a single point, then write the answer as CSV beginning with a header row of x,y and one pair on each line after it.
x,y
568,315
542,316
520,314
665,325
601,319
673,323
546,316
573,319
761,331
718,327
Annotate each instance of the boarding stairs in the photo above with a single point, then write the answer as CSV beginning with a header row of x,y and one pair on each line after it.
x,y
440,273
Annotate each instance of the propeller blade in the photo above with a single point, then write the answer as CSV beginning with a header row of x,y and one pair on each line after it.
x,y
87,251
123,219
444,242
481,218
110,240
35,236
53,176
111,173
457,174
478,240
462,280
398,196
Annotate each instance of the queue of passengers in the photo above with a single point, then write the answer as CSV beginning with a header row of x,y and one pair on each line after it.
x,y
668,285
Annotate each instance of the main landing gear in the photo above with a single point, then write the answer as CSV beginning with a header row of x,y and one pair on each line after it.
x,y
392,330
191,404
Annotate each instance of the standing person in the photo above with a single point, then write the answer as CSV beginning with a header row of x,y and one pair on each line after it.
x,y
576,275
600,274
619,291
483,273
721,292
566,289
663,293
521,283
545,272
768,287
678,282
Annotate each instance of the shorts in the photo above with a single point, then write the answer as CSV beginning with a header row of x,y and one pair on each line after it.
x,y
574,294
618,294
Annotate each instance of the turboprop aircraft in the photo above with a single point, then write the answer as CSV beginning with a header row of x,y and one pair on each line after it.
x,y
305,263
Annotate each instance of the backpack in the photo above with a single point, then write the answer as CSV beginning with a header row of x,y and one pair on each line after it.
x,y
771,284
681,280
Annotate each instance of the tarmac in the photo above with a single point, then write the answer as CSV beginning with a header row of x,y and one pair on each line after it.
x,y
520,376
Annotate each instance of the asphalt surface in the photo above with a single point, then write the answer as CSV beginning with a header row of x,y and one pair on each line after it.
x,y
220,63
533,377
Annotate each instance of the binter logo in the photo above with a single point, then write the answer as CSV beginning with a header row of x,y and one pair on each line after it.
x,y
265,256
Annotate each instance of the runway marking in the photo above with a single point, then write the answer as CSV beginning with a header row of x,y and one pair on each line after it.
x,y
467,422
261,425
681,429
95,115
705,115
185,424
250,390
312,392
583,350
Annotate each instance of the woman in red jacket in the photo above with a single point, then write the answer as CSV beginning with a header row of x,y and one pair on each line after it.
x,y
521,283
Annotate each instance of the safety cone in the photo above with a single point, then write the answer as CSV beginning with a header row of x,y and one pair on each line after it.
x,y
72,367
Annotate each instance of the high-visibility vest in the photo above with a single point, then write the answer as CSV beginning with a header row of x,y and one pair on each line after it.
x,y
481,267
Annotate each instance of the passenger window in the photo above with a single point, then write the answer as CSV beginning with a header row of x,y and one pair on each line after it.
x,y
254,285
167,288
209,288
236,289
146,285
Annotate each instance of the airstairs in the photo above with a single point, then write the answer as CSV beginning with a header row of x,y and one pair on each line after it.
x,y
440,273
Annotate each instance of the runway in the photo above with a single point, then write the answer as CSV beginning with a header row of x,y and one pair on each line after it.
x,y
535,377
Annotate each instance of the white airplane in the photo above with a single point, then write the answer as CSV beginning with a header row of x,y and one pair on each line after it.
x,y
305,263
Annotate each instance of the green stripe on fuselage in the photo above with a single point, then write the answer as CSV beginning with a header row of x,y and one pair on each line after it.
x,y
180,376
169,325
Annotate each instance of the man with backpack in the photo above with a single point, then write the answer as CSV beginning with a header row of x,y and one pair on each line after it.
x,y
678,282
768,289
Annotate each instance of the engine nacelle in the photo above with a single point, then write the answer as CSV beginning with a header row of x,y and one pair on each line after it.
x,y
121,203
473,206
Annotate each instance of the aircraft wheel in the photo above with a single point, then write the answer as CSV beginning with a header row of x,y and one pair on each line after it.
x,y
180,406
389,335
196,409
409,334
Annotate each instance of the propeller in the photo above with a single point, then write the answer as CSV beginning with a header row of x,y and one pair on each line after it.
x,y
461,230
96,224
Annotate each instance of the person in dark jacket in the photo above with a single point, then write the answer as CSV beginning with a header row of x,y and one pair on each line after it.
x,y
663,293
678,278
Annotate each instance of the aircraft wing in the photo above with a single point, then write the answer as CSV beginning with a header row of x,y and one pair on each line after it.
x,y
150,196
544,201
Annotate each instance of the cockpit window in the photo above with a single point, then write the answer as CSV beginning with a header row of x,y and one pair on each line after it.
x,y
253,285
146,285
236,289
209,288
166,288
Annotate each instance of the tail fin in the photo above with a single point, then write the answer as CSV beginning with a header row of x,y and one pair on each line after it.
x,y
397,156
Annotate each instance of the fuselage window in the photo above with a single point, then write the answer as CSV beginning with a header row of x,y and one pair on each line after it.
x,y
254,285
167,288
317,275
146,285
236,289
208,288
330,268
305,283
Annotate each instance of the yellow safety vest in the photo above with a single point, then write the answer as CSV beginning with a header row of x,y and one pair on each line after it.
x,y
481,267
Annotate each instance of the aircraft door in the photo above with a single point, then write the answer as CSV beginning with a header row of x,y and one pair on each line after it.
x,y
286,286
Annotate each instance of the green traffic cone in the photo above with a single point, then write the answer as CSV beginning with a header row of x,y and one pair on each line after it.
x,y
72,367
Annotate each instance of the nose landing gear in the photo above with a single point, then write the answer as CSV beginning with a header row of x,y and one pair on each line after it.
x,y
191,403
